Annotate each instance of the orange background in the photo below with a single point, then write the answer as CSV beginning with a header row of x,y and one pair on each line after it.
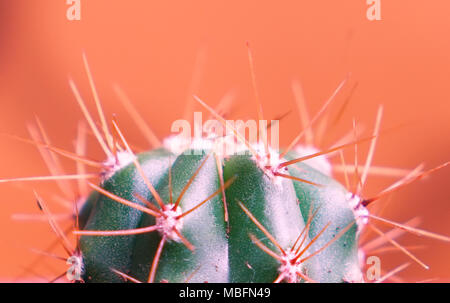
x,y
150,49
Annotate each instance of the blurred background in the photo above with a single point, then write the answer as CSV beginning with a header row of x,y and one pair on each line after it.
x,y
161,52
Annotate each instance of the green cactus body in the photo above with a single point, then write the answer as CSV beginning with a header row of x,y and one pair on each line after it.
x,y
211,249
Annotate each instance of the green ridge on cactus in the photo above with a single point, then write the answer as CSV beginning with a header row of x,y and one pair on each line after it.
x,y
339,262
274,205
100,254
204,228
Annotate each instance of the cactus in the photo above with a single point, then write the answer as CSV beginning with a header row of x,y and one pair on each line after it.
x,y
190,213
189,234
280,219
200,218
